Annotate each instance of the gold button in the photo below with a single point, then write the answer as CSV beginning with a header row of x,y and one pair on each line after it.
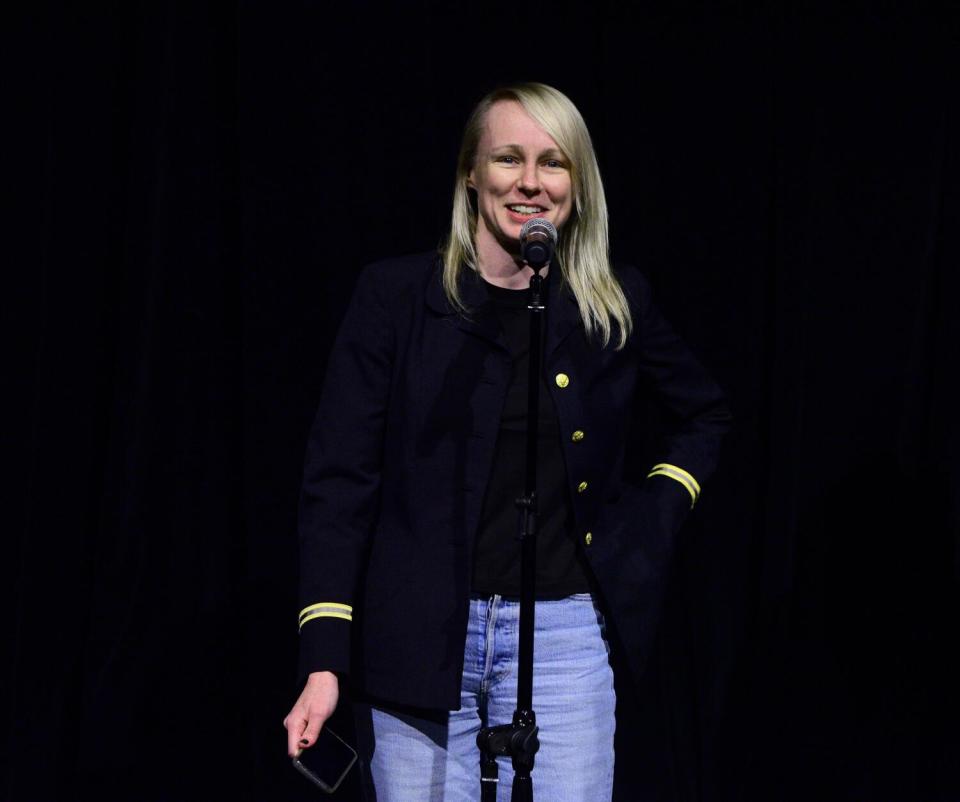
x,y
588,538
577,436
581,487
562,379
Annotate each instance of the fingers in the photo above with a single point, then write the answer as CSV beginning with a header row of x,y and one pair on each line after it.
x,y
303,729
315,705
295,724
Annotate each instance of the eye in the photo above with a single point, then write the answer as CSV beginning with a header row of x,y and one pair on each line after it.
x,y
555,164
507,159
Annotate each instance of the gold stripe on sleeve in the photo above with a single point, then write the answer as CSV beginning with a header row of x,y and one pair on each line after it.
x,y
681,471
326,610
344,616
679,475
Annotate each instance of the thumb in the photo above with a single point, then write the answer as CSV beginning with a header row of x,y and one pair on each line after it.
x,y
312,730
295,725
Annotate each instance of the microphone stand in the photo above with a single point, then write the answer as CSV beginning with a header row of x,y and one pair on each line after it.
x,y
519,740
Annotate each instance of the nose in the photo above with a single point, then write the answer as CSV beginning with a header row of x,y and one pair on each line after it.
x,y
529,182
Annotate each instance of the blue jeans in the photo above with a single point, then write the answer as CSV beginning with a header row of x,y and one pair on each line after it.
x,y
419,757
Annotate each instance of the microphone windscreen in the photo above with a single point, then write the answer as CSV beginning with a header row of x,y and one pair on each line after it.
x,y
538,238
538,227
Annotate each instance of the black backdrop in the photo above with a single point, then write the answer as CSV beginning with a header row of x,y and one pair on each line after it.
x,y
195,186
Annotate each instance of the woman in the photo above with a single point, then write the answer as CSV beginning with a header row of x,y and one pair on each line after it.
x,y
407,523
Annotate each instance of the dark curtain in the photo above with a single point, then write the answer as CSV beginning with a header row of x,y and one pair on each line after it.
x,y
195,187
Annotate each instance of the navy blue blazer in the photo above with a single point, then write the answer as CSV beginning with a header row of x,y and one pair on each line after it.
x,y
400,454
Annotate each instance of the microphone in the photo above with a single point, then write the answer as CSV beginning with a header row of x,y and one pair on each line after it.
x,y
538,240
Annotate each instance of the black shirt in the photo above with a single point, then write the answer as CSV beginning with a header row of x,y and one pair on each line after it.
x,y
561,569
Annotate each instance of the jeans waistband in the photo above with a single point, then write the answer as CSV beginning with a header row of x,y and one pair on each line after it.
x,y
572,597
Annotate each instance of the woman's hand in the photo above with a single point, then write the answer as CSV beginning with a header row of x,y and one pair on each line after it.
x,y
315,705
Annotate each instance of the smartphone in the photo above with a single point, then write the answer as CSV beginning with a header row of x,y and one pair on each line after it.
x,y
327,762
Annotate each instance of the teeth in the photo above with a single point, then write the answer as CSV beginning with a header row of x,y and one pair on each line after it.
x,y
525,209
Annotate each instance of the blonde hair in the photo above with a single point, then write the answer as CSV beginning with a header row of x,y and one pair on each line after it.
x,y
583,250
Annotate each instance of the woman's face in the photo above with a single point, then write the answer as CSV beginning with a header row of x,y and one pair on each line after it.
x,y
519,173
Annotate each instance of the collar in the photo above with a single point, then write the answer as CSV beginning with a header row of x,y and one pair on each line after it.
x,y
563,314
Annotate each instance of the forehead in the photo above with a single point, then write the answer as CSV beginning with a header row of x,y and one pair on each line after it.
x,y
508,123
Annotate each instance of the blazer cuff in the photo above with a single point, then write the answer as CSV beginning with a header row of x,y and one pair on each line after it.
x,y
324,646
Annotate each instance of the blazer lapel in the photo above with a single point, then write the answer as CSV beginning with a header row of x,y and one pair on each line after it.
x,y
563,314
483,321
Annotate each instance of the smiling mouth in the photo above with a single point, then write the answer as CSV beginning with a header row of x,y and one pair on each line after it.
x,y
522,208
